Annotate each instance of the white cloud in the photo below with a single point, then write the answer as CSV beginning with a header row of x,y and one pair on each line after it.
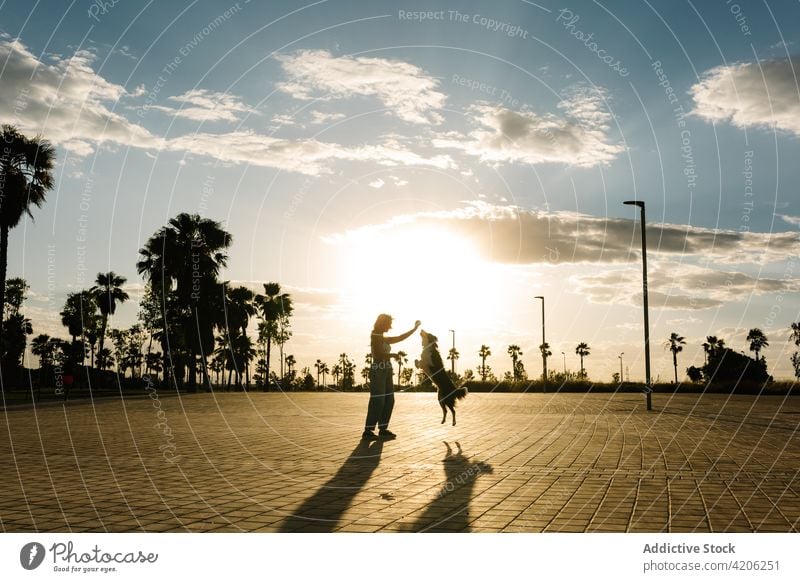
x,y
793,220
306,156
579,137
404,88
318,117
764,94
204,105
63,99
377,184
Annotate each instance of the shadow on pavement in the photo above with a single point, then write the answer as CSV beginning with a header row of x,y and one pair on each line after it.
x,y
321,512
449,512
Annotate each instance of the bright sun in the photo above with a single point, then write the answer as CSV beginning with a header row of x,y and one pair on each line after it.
x,y
417,272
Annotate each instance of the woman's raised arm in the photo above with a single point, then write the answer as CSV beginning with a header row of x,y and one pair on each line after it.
x,y
402,336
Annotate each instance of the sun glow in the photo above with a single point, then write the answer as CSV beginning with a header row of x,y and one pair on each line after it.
x,y
415,272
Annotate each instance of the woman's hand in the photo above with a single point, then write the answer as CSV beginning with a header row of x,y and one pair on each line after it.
x,y
417,324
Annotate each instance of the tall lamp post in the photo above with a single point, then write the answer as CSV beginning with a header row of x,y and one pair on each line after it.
x,y
453,353
648,386
565,366
544,350
621,377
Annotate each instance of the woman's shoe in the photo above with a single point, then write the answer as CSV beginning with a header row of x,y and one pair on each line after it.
x,y
368,435
386,434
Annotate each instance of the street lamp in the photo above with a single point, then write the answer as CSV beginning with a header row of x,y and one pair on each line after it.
x,y
565,366
621,377
453,353
648,387
544,350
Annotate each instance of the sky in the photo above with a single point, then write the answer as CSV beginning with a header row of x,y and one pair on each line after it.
x,y
441,161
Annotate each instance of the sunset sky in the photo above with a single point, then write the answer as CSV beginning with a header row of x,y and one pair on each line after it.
x,y
446,168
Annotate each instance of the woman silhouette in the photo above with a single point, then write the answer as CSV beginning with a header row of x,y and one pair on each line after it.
x,y
381,375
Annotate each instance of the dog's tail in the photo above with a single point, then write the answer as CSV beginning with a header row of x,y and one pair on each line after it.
x,y
461,392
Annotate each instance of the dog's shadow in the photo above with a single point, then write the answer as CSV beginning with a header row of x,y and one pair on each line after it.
x,y
449,511
322,511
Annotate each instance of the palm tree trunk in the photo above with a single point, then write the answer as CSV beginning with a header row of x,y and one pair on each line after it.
x,y
247,364
266,367
3,271
675,364
102,333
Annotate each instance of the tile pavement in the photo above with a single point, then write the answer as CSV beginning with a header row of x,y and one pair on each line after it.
x,y
294,462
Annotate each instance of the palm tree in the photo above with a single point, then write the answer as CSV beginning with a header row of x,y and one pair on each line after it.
x,y
795,335
324,369
582,349
244,353
675,344
347,370
26,174
515,352
758,341
318,365
274,308
105,358
484,353
107,293
712,345
290,364
453,355
546,353
239,308
365,374
183,259
402,359
41,347
79,314
337,371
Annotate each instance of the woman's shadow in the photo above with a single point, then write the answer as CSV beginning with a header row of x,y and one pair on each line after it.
x,y
322,511
449,511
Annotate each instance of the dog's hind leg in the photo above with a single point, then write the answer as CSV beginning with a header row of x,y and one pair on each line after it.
x,y
444,413
453,411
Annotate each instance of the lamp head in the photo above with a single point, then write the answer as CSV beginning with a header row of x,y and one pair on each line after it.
x,y
539,297
639,203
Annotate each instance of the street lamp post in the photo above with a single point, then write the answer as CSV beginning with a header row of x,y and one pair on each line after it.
x,y
453,353
544,350
621,377
648,386
565,366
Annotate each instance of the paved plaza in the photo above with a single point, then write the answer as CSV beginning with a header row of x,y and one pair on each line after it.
x,y
294,462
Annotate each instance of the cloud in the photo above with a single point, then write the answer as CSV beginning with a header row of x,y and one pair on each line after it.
x,y
204,105
677,286
509,234
377,184
793,220
750,94
306,156
579,137
318,117
402,87
63,99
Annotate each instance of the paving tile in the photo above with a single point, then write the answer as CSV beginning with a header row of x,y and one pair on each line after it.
x,y
515,463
